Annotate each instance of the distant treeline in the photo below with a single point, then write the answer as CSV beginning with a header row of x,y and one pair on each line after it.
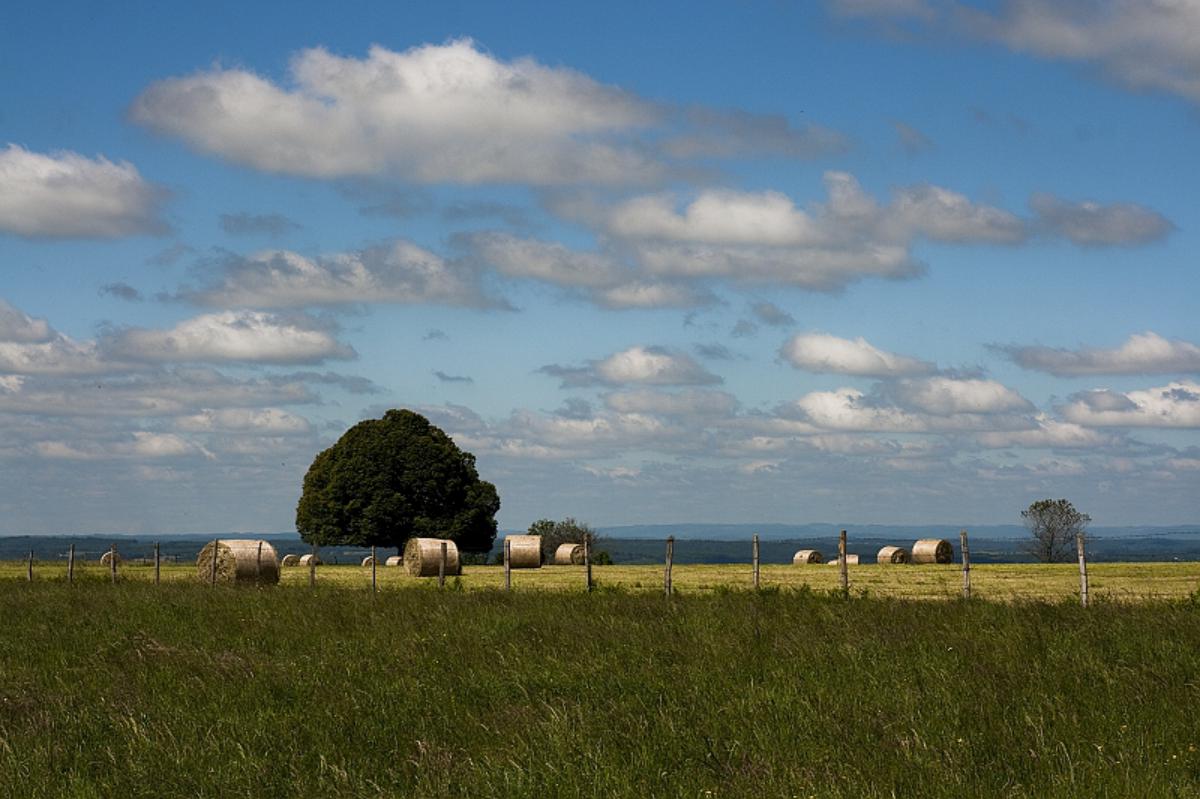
x,y
1176,545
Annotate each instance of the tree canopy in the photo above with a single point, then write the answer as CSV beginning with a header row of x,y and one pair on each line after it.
x,y
387,480
1053,525
554,534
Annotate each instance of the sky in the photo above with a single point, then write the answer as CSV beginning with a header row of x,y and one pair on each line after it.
x,y
855,261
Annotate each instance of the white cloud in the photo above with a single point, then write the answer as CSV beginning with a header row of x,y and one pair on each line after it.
x,y
67,195
400,272
1142,353
1174,405
263,421
1049,433
434,113
139,444
1091,224
946,396
821,352
655,366
18,327
250,336
692,402
31,346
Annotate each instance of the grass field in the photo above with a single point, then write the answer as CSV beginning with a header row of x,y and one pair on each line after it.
x,y
1121,581
185,691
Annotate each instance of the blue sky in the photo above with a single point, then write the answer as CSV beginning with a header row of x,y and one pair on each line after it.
x,y
862,261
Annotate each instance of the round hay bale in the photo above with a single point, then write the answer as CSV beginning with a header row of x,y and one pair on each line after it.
x,y
310,560
525,551
892,555
422,556
368,561
106,558
290,560
239,560
806,556
932,550
851,560
568,555
394,560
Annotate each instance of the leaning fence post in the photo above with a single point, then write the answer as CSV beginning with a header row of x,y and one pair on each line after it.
x,y
442,567
29,573
966,563
587,558
845,572
374,562
1083,581
212,574
157,563
112,561
670,562
312,568
507,565
71,564
754,558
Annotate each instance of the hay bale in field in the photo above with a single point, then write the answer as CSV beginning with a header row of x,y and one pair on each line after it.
x,y
368,561
394,560
310,560
851,560
806,556
568,555
291,560
422,556
106,558
525,551
892,555
239,560
932,550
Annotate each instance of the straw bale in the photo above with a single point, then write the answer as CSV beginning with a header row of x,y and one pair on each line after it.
x,y
932,550
310,560
106,558
238,561
394,560
291,560
422,556
851,560
525,551
805,556
368,561
892,555
568,555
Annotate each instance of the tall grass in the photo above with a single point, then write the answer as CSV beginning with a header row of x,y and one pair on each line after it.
x,y
187,691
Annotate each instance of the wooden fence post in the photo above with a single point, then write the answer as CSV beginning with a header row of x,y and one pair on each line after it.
x,y
374,563
587,558
442,567
312,568
1083,581
507,565
212,575
29,573
754,558
71,564
157,563
966,563
845,572
258,564
112,561
670,562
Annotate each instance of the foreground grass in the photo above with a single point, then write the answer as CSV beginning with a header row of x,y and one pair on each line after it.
x,y
1008,581
132,690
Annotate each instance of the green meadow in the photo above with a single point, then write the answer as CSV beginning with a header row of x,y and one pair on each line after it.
x,y
183,690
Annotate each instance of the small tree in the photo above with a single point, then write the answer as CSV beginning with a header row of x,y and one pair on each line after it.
x,y
554,534
1053,525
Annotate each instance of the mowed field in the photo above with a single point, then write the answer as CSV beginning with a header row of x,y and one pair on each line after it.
x,y
1107,581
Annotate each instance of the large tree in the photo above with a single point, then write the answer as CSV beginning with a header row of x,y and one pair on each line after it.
x,y
1053,525
567,531
387,480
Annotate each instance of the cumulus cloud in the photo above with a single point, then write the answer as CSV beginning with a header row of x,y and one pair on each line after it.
x,y
270,421
947,396
1175,405
250,336
822,352
1091,224
656,366
1142,353
1048,434
67,195
244,223
434,113
18,327
30,346
400,272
